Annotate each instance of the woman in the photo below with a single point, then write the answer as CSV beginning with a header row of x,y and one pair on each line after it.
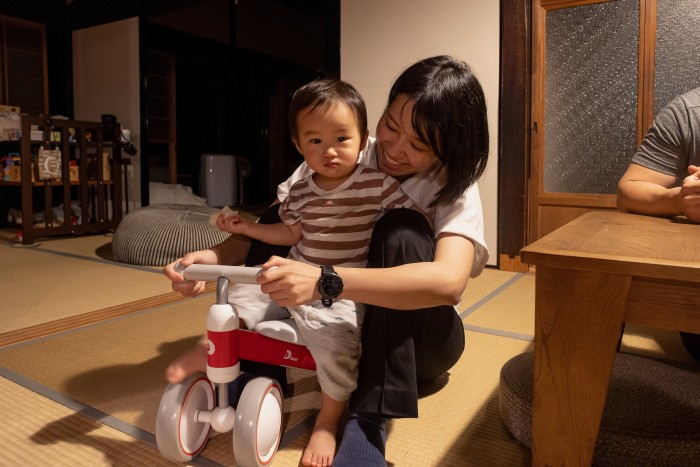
x,y
433,138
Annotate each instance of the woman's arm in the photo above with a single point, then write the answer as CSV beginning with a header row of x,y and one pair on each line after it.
x,y
405,287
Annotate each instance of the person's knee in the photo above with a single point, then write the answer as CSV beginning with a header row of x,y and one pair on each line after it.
x,y
401,236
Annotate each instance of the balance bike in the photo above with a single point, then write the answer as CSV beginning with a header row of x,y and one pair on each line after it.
x,y
189,410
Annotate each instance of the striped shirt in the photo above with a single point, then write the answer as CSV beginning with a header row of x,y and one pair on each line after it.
x,y
337,224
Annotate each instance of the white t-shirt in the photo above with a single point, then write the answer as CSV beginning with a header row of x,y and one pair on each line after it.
x,y
462,217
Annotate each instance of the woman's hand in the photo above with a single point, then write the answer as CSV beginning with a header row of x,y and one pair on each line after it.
x,y
289,282
185,287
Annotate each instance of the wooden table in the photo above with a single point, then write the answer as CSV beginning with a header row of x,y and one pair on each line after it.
x,y
592,275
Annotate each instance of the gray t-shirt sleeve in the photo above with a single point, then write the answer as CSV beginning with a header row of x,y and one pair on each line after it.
x,y
671,144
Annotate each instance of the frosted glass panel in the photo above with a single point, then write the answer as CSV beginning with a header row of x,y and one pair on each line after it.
x,y
677,49
591,96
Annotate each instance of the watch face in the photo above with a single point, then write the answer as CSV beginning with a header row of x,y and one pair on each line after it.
x,y
331,285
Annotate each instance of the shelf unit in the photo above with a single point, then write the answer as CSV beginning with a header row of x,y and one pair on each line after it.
x,y
96,194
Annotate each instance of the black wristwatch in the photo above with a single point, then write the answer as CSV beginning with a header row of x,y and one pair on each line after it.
x,y
330,285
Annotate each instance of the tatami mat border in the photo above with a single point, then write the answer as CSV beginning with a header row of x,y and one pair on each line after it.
x,y
93,413
497,332
151,309
290,435
486,299
135,432
97,260
90,412
463,314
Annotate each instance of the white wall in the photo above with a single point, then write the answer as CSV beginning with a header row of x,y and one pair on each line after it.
x,y
106,81
380,38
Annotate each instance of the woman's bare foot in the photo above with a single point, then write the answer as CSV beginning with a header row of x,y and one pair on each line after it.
x,y
321,448
191,362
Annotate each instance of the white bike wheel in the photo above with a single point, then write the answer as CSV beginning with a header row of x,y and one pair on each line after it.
x,y
180,437
258,428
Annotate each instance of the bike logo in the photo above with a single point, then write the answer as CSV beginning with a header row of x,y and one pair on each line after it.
x,y
288,356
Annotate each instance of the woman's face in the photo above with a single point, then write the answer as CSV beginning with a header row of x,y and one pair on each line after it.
x,y
399,151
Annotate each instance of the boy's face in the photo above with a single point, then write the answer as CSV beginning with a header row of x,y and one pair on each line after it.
x,y
329,140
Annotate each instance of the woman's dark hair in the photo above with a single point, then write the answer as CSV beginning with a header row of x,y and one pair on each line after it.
x,y
449,116
324,92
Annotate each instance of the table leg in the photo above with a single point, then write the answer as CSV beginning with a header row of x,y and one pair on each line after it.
x,y
578,320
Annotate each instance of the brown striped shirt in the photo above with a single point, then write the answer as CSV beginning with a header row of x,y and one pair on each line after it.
x,y
337,224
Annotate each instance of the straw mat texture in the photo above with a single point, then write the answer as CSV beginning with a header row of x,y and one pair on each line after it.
x,y
44,284
93,390
44,432
117,367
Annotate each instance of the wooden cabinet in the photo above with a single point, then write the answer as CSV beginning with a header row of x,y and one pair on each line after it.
x,y
79,187
23,66
161,147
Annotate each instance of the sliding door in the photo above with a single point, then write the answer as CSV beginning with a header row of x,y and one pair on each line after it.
x,y
601,70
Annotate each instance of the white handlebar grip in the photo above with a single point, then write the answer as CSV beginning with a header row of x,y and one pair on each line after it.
x,y
211,272
178,267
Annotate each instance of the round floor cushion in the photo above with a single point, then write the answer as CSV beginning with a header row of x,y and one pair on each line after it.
x,y
158,235
651,415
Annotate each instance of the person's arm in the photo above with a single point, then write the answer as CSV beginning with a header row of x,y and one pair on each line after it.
x,y
278,233
234,250
645,191
414,285
406,287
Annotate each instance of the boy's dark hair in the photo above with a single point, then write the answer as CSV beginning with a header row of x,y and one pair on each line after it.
x,y
323,92
449,117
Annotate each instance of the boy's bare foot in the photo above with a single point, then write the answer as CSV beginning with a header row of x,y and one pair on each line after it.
x,y
321,448
191,362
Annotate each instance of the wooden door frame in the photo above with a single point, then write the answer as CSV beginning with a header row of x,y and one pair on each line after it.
x,y
515,120
513,132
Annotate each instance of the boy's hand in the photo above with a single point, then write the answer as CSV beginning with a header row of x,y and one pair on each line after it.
x,y
234,224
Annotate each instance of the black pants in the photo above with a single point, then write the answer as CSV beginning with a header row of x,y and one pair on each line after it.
x,y
400,348
260,252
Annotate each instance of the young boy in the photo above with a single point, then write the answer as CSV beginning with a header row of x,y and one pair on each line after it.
x,y
328,219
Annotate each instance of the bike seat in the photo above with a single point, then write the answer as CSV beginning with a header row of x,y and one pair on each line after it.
x,y
285,330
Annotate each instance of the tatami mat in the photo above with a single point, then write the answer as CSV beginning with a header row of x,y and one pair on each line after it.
x,y
117,367
82,245
482,286
459,424
44,432
510,312
92,392
657,343
44,285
